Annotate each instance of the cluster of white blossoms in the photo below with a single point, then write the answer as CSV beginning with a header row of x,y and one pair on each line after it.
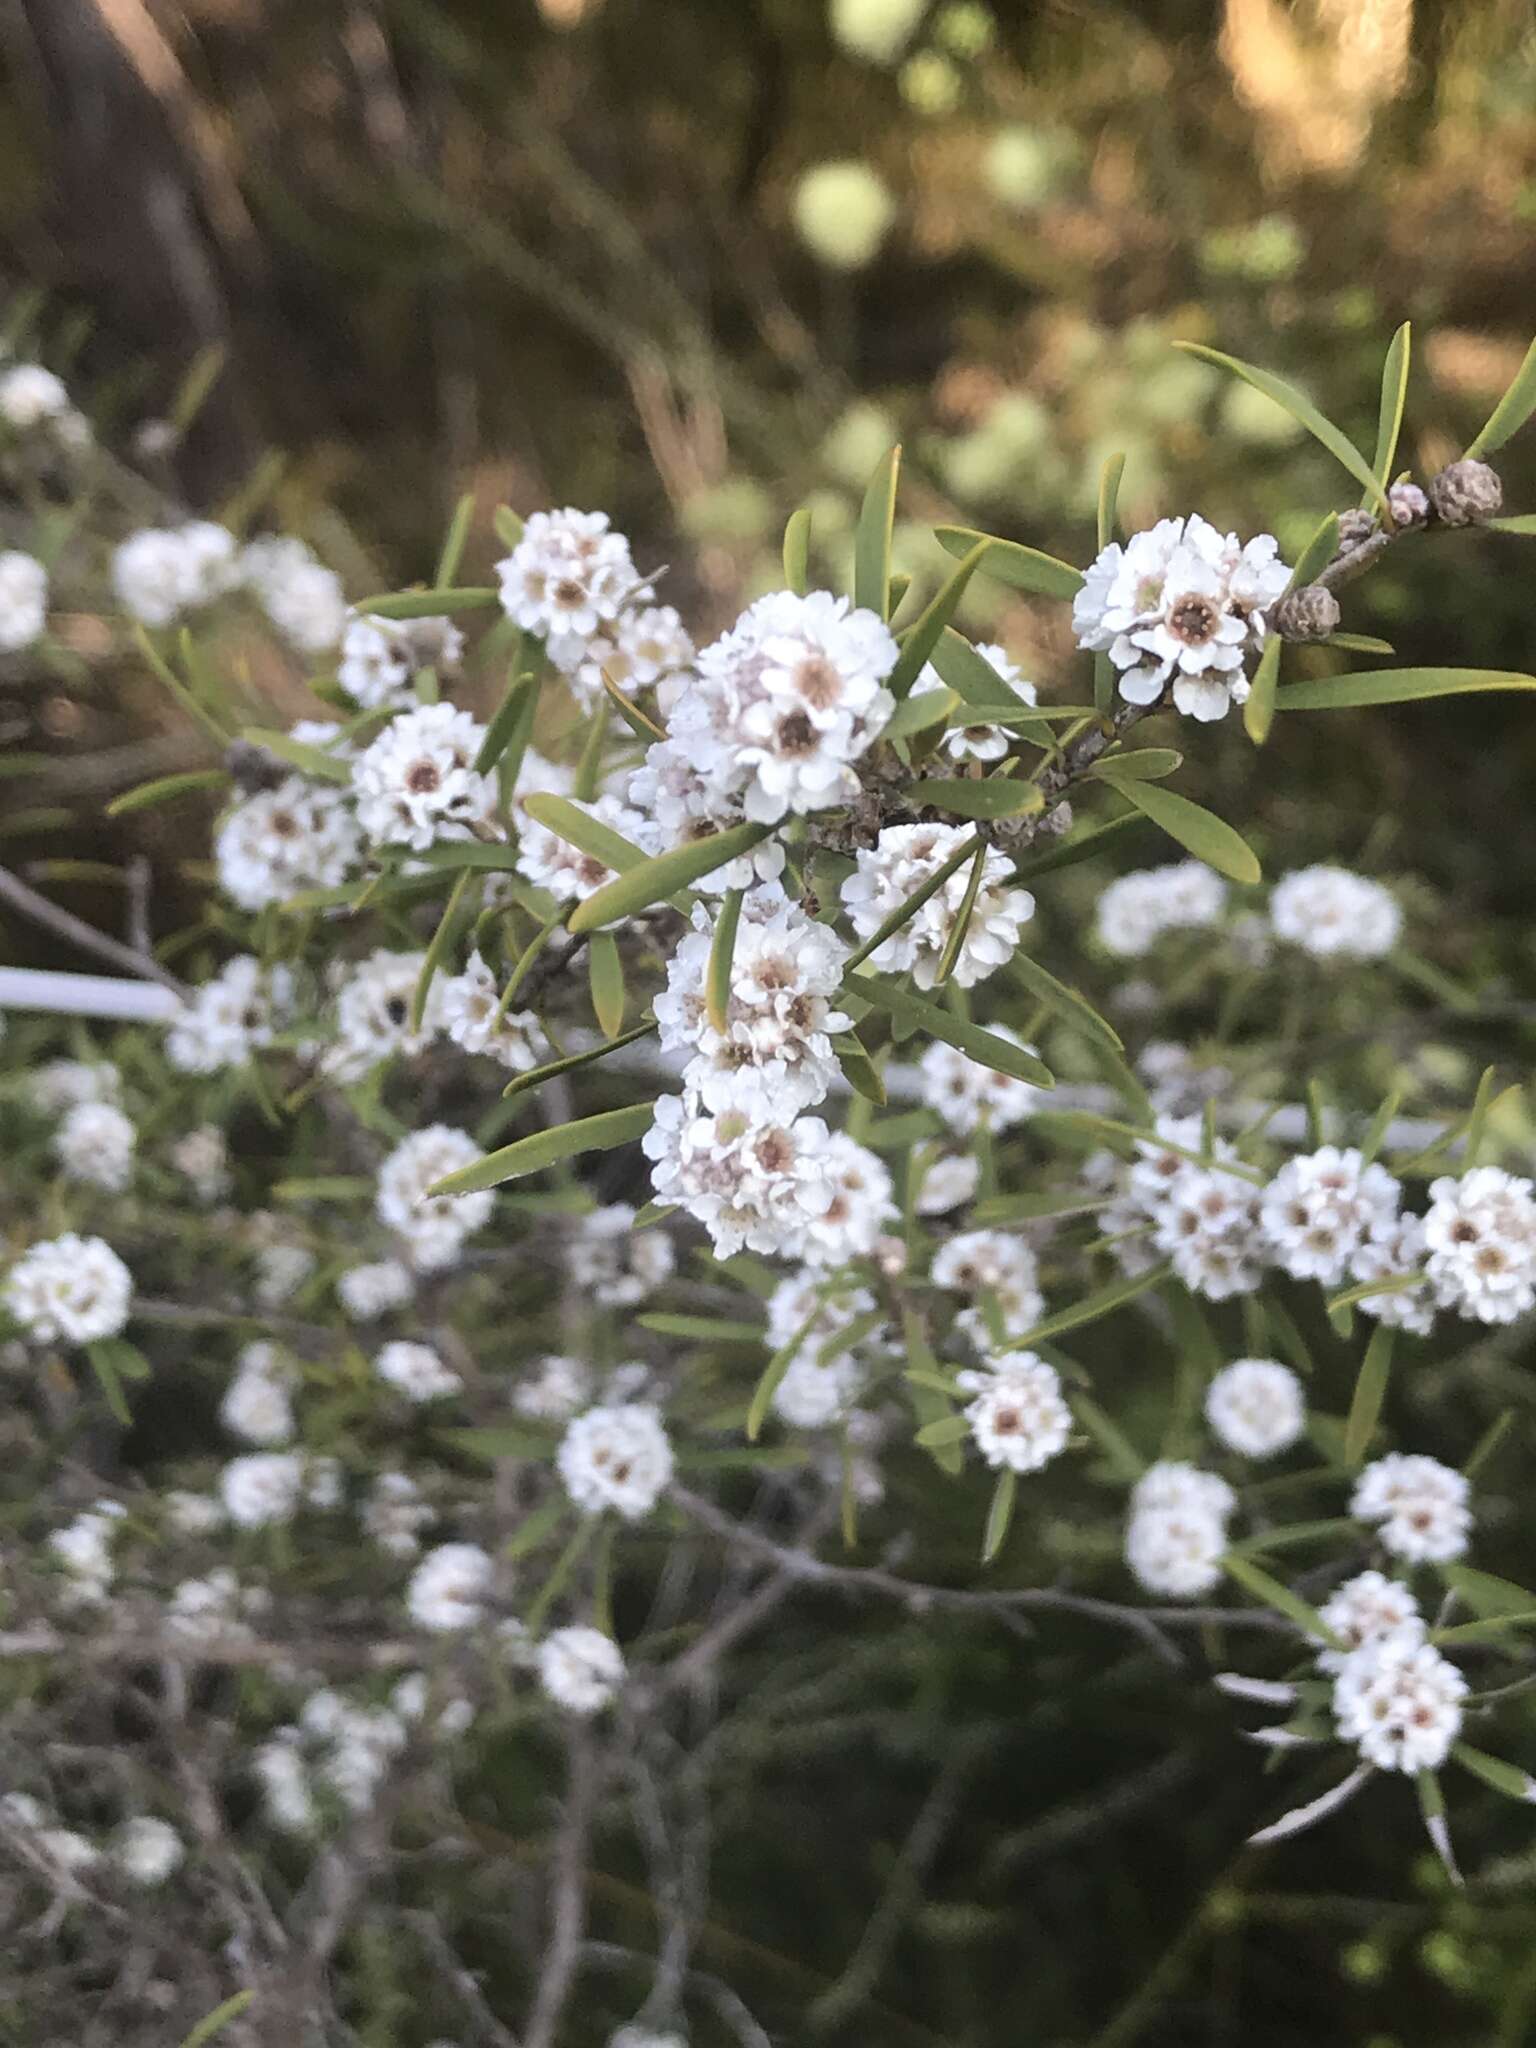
x,y
34,401
1256,1407
69,1289
258,1402
264,1487
339,1751
431,1228
552,1389
299,594
373,1290
616,1457
229,1017
1018,1415
611,1262
1335,915
971,1097
1181,602
143,1850
902,859
301,835
1480,1236
417,783
450,1587
1202,1215
371,1021
394,1514
416,1371
567,580
83,1552
470,1012
646,646
830,1324
580,1669
999,1279
23,600
95,1144
1321,1207
1420,1507
1177,1531
381,658
1136,909
1399,1699
202,1156
161,573
1363,1609
963,744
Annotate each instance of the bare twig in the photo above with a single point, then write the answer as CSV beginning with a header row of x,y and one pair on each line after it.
x,y
65,925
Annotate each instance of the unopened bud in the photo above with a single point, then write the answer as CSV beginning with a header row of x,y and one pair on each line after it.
x,y
1467,492
252,767
1410,505
1311,613
891,1256
1355,528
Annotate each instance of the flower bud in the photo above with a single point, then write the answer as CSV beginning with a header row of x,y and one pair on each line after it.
x,y
891,1256
1410,505
1355,528
253,768
1467,492
1311,613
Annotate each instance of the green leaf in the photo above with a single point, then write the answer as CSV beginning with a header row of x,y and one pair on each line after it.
x,y
590,760
1300,408
722,950
1068,1004
1000,1514
1496,1629
1394,394
509,528
907,910
640,723
547,1148
447,927
511,720
1109,497
918,712
1512,410
1487,1595
643,882
203,373
104,1364
313,761
1140,764
939,1434
1280,1598
859,1070
215,2022
1370,1392
453,541
564,817
1395,686
1502,1777
1198,830
1000,1054
428,604
464,853
960,924
1020,567
1259,711
1358,643
872,540
994,796
328,1187
710,1329
797,551
922,636
1091,1307
928,1401
1125,1460
1519,522
605,976
165,789
970,675
522,1084
774,1371
1081,846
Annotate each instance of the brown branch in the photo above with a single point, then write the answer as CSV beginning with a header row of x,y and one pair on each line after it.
x,y
568,1891
65,925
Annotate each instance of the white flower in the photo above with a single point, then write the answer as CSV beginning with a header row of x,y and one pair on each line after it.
x,y
301,835
1364,1608
643,647
1335,915
95,1144
258,1402
60,1084
1183,601
1395,1246
580,1668
825,1374
1481,1234
568,575
1136,909
1170,1484
147,1850
758,1185
394,1514
31,396
417,783
281,1270
84,1550
70,1288
212,1608
367,1292
374,1006
433,1226
1017,1414
416,1371
555,864
858,1202
23,600
901,860
228,1018
469,1011
203,1156
1422,1507
616,1457
262,1487
1178,1529
449,1588
380,658
159,573
684,794
970,1096
554,1390
285,1792
612,1262
1205,1218
965,743
779,1015
949,1182
302,598
1320,1207
1400,1701
995,1272
192,1514
1256,1407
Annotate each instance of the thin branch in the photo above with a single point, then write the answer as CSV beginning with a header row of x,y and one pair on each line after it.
x,y
65,925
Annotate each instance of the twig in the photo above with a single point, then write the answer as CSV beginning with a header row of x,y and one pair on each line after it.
x,y
65,925
568,1892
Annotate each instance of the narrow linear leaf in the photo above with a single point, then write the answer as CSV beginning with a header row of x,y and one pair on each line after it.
x,y
1300,408
1141,764
1066,1002
994,796
1394,396
859,1070
797,551
1081,846
1000,1514
1196,829
429,604
165,789
711,1329
509,528
1020,567
1502,1777
605,978
640,723
1000,1054
218,2019
1091,1307
1358,643
565,817
547,1148
447,926
1370,1392
523,1084
922,636
1352,691
1512,410
643,882
1125,1460
192,705
918,713
872,539
942,1432
453,542
722,950
511,714
1280,1598
907,910
313,761
773,1373
960,924
1109,497
970,675
1518,522
929,1402
1259,711
1487,1595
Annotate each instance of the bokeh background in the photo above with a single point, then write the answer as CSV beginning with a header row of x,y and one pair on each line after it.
x,y
700,261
